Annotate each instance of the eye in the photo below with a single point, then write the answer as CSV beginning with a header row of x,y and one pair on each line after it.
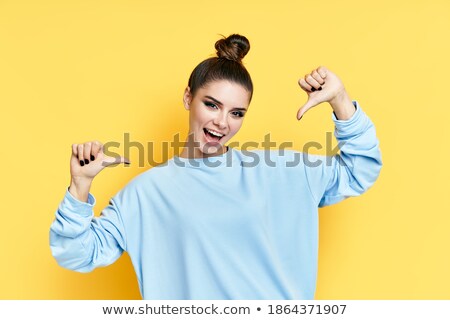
x,y
210,104
238,114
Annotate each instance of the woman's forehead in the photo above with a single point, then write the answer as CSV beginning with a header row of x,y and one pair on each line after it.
x,y
226,92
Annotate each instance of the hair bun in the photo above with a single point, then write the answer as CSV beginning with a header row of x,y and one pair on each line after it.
x,y
234,47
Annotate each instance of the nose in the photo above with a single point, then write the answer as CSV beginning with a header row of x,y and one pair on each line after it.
x,y
221,120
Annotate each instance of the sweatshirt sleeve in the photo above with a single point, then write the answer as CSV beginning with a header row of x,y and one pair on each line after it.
x,y
354,170
81,242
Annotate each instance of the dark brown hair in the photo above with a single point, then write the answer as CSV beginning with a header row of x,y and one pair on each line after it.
x,y
226,66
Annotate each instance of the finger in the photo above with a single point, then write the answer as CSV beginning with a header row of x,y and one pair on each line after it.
x,y
75,150
80,154
87,152
312,82
95,149
317,77
322,71
304,85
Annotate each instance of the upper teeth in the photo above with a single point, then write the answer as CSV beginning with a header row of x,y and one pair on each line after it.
x,y
217,134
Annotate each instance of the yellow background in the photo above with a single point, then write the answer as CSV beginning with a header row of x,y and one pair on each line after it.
x,y
73,71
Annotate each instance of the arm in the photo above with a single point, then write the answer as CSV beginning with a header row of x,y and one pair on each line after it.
x,y
78,240
355,169
81,242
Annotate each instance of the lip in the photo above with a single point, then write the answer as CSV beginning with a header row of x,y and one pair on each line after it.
x,y
212,141
216,131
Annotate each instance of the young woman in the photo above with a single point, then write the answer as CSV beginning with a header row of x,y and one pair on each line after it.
x,y
215,222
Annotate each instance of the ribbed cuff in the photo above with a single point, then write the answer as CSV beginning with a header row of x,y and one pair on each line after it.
x,y
70,203
356,124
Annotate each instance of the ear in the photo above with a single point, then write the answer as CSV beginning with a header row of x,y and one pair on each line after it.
x,y
187,98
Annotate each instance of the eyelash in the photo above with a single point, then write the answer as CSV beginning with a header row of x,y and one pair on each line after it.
x,y
238,114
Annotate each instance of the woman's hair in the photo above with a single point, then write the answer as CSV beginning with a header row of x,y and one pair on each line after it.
x,y
226,66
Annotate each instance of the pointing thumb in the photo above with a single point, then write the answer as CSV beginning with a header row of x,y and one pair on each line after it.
x,y
308,105
115,160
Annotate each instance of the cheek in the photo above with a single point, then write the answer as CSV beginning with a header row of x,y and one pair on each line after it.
x,y
201,117
235,127
193,118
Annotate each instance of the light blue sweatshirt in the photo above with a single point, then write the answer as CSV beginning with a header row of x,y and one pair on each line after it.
x,y
241,225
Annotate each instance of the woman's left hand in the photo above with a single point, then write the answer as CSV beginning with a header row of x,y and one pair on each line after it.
x,y
321,85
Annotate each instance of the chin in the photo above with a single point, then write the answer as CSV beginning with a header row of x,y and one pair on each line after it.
x,y
208,148
211,150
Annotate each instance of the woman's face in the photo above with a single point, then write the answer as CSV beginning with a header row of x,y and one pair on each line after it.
x,y
216,113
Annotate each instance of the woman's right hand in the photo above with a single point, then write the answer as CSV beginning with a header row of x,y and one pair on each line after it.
x,y
88,160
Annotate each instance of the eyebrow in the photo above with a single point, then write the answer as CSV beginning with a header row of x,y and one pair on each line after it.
x,y
218,102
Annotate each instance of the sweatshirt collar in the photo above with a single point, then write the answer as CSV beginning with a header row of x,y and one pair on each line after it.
x,y
222,160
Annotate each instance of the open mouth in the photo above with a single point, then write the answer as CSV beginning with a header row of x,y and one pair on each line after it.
x,y
212,136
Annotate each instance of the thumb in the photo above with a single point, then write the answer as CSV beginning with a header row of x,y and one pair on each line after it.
x,y
308,105
107,161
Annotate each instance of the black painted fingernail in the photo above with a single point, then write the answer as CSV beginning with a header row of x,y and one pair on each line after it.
x,y
313,89
320,88
86,161
81,163
92,158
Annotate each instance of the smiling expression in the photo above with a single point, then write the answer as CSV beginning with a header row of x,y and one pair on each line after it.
x,y
216,113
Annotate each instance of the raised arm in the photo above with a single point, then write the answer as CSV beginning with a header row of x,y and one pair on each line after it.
x,y
355,169
78,240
